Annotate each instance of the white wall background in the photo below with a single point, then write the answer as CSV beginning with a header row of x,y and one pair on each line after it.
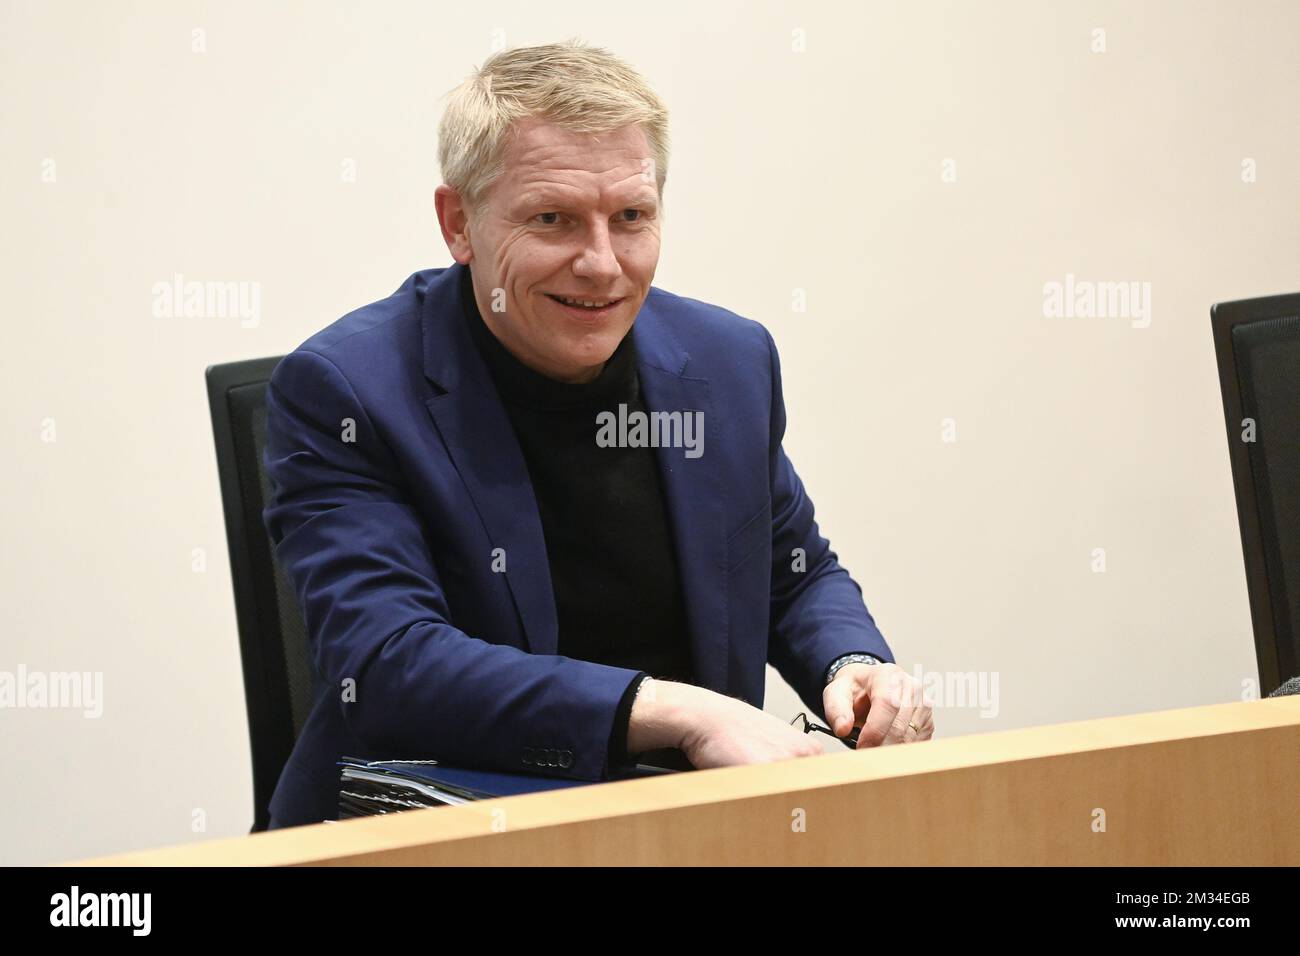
x,y
817,170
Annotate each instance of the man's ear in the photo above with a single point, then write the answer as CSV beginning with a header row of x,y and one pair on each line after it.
x,y
453,217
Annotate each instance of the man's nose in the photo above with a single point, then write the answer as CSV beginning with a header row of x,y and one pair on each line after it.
x,y
598,261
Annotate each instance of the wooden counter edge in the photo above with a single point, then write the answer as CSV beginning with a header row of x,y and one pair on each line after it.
x,y
332,840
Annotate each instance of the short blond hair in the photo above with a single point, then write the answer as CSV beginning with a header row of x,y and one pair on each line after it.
x,y
579,88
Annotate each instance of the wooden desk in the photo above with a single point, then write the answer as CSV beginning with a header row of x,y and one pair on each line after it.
x,y
1204,785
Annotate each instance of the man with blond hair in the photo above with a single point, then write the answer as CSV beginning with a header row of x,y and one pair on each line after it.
x,y
536,510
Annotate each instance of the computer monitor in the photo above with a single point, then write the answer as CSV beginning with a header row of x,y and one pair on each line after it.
x,y
1258,346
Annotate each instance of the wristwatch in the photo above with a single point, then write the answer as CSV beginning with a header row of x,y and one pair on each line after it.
x,y
850,659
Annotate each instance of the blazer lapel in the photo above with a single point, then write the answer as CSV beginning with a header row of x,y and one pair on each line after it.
x,y
693,497
482,444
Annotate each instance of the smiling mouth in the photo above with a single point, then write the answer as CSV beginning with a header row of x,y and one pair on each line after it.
x,y
588,305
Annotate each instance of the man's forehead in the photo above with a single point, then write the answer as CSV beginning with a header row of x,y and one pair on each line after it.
x,y
619,184
543,146
539,188
545,162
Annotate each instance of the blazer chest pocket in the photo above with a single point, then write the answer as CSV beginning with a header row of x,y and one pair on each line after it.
x,y
749,539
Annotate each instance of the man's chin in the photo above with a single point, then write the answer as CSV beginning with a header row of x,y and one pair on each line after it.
x,y
589,356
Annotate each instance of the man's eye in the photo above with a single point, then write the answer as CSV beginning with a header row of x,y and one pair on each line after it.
x,y
640,215
551,223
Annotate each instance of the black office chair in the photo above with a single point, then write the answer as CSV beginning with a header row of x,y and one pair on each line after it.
x,y
1258,346
273,645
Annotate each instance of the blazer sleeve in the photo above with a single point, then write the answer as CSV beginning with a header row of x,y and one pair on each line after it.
x,y
347,535
817,611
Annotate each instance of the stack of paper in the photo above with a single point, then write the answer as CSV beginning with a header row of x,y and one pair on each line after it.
x,y
371,787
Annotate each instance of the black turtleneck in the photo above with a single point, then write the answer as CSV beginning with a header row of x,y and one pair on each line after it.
x,y
613,568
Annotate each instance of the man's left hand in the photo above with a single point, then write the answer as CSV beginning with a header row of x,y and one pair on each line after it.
x,y
883,699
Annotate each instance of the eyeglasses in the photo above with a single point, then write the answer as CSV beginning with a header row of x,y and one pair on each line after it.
x,y
850,741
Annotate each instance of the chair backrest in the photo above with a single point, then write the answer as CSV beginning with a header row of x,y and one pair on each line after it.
x,y
273,644
1258,347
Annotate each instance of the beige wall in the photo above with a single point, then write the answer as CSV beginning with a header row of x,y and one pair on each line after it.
x,y
819,170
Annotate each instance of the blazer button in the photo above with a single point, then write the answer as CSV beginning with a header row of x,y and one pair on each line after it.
x,y
566,758
528,755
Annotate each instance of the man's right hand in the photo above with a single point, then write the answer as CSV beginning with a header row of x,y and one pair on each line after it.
x,y
711,729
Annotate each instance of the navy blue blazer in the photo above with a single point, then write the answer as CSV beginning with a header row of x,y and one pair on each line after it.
x,y
396,474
